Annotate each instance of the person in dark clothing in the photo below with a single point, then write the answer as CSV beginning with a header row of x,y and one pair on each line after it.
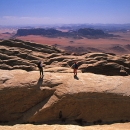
x,y
40,66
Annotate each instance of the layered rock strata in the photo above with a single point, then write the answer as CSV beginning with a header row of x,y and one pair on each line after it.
x,y
17,54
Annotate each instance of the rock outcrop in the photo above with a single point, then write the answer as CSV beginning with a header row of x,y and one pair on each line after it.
x,y
40,31
82,32
17,54
91,32
62,98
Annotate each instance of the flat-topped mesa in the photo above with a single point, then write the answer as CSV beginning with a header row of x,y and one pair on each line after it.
x,y
51,32
61,98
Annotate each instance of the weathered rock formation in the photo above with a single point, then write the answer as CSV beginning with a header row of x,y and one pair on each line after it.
x,y
39,31
61,98
91,32
17,54
83,32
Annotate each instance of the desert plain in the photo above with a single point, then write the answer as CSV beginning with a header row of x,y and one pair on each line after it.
x,y
118,45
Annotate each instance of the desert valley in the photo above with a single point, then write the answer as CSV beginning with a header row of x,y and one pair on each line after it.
x,y
64,64
118,44
98,98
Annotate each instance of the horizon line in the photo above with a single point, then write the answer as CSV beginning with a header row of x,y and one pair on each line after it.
x,y
67,24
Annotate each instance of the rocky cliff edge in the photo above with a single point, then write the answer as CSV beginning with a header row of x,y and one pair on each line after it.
x,y
62,98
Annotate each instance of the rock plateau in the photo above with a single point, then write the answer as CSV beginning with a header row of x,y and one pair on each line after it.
x,y
61,98
100,94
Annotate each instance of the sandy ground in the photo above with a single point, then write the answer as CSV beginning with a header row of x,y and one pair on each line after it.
x,y
82,45
117,126
7,33
124,39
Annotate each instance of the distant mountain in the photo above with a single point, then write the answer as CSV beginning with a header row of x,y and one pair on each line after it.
x,y
82,32
104,27
118,49
38,31
88,31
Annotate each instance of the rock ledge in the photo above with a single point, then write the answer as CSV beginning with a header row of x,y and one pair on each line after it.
x,y
61,98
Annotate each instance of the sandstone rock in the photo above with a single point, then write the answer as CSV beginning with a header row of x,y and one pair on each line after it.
x,y
61,98
17,54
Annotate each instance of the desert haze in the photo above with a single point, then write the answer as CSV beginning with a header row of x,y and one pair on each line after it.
x,y
118,45
109,45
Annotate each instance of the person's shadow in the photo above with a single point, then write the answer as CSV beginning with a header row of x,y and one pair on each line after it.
x,y
75,77
40,81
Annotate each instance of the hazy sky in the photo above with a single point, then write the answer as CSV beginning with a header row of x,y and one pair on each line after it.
x,y
17,12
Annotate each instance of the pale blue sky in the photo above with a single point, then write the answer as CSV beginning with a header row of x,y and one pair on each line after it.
x,y
17,12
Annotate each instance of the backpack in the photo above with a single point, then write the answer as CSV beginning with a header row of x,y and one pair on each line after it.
x,y
75,66
39,65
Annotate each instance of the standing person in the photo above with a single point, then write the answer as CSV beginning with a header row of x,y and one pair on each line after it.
x,y
75,67
40,68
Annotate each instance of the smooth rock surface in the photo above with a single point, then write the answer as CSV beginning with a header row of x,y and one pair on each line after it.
x,y
62,98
